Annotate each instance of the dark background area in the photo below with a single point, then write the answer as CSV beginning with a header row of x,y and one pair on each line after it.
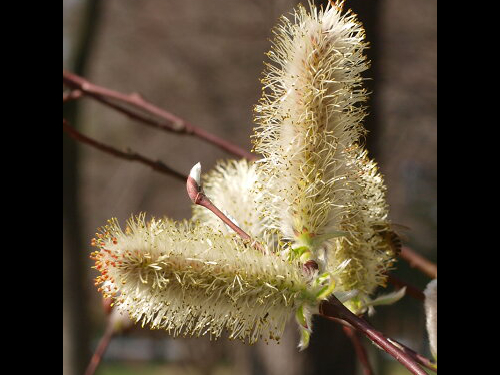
x,y
202,61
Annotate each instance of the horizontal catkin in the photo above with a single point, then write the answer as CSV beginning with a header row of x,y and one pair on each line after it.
x,y
192,280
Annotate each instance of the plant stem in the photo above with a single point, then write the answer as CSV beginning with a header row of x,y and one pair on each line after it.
x,y
334,308
71,95
101,348
410,289
419,358
359,348
207,203
426,362
157,165
197,196
134,106
419,262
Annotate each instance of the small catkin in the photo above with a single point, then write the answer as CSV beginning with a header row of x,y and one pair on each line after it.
x,y
366,243
192,280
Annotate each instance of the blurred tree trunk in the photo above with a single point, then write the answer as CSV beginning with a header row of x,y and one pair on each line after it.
x,y
76,352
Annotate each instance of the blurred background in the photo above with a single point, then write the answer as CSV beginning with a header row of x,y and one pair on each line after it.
x,y
202,61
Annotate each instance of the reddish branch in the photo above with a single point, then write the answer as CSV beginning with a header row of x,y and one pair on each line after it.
x,y
71,95
419,358
419,262
426,362
359,348
334,308
101,348
134,106
197,196
157,165
410,289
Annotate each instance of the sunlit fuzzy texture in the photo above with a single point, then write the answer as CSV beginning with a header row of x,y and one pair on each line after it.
x,y
309,115
318,180
368,240
192,280
235,188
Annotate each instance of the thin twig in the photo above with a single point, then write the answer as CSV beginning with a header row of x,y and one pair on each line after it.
x,y
419,358
359,348
411,290
198,197
134,106
71,95
426,362
334,308
419,262
101,348
157,165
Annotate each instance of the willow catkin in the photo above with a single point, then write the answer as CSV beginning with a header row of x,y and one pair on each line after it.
x,y
309,116
366,242
322,192
192,280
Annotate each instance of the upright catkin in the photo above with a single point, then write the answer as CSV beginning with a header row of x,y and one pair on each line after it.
x,y
322,192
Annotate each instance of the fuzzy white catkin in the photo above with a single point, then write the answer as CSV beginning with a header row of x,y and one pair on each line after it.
x,y
192,280
431,314
368,243
318,179
309,116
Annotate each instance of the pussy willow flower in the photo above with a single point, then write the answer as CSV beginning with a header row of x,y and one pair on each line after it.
x,y
322,191
309,116
368,241
325,195
192,280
